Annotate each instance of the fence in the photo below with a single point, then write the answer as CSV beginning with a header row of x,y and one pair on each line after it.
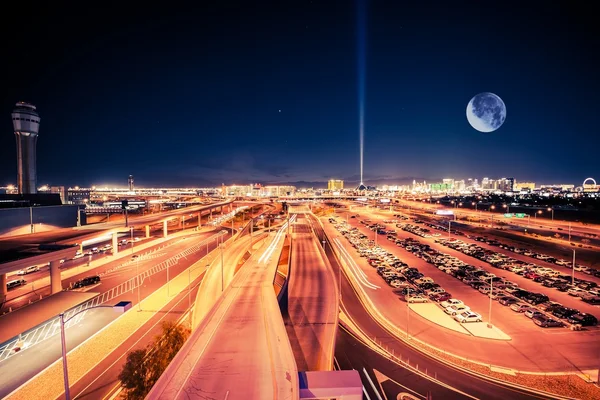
x,y
51,327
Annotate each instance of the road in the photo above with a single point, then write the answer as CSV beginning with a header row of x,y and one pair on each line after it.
x,y
352,353
103,381
18,369
456,378
312,301
237,352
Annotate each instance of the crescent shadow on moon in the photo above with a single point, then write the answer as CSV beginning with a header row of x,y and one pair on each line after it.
x,y
476,122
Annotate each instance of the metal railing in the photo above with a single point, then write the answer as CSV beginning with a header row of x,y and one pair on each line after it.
x,y
51,327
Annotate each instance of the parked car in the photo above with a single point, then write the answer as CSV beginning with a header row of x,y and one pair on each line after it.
x,y
592,300
29,270
439,297
583,319
549,306
87,281
507,301
417,298
576,292
456,309
451,302
564,312
519,307
468,316
546,322
532,312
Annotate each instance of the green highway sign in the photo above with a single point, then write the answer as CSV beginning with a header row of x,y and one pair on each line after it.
x,y
509,215
520,215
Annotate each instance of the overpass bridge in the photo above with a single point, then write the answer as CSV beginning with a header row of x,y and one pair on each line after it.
x,y
20,252
240,349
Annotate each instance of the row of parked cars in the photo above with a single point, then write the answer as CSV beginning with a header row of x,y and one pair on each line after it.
x,y
509,294
526,252
544,257
505,292
588,291
408,282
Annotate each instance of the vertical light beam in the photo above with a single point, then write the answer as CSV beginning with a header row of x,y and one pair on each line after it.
x,y
361,71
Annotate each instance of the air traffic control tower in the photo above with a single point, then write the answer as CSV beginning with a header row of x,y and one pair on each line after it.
x,y
26,124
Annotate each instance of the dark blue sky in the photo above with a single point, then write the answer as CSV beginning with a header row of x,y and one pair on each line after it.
x,y
191,96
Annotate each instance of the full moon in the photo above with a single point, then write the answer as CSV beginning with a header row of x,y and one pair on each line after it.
x,y
486,112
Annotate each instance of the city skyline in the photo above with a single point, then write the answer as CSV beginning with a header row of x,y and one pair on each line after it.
x,y
269,94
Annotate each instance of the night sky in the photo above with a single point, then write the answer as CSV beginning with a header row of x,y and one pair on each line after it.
x,y
237,92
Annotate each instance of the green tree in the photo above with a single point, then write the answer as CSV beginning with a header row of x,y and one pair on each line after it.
x,y
145,366
134,374
166,346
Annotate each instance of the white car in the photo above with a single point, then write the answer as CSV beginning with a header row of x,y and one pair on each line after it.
x,y
516,269
576,292
456,309
397,283
468,316
581,268
564,263
451,302
417,298
28,270
78,255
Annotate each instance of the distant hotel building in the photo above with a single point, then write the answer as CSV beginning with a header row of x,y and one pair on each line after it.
x,y
519,186
335,184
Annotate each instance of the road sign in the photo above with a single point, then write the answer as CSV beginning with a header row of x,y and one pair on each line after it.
x,y
508,215
520,215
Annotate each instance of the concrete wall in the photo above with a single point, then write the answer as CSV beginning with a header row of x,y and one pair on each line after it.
x,y
17,221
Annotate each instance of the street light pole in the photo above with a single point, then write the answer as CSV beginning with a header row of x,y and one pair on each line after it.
x,y
63,343
490,296
63,340
137,277
573,270
449,223
407,313
222,277
569,232
131,240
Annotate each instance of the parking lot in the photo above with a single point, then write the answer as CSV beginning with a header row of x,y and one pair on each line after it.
x,y
417,253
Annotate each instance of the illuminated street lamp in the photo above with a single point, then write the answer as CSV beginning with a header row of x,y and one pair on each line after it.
x,y
120,307
137,277
552,210
474,204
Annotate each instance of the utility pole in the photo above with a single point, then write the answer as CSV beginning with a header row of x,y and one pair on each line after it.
x,y
573,270
490,296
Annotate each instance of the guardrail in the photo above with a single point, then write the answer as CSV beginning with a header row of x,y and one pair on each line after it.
x,y
51,327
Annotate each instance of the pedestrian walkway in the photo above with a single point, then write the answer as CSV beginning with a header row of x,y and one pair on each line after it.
x,y
484,330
